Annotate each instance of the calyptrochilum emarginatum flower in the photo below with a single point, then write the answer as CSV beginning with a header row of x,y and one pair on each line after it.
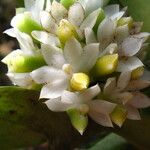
x,y
84,57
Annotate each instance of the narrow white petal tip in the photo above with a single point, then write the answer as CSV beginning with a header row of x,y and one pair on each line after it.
x,y
81,131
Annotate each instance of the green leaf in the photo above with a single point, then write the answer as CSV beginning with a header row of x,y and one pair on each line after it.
x,y
15,136
110,142
13,133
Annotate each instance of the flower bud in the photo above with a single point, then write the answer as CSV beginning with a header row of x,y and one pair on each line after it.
x,y
106,65
79,81
20,63
65,31
25,23
67,3
125,20
118,116
78,120
137,73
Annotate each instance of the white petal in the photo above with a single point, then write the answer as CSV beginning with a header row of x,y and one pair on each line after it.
x,y
48,6
73,52
123,80
90,20
129,64
46,38
102,119
130,46
53,55
133,113
48,22
53,89
111,10
58,11
124,97
90,6
101,106
47,74
35,7
110,85
12,55
70,98
10,32
110,49
57,105
29,4
106,31
121,33
90,93
76,14
137,85
142,35
89,57
21,79
140,100
25,41
90,36
117,16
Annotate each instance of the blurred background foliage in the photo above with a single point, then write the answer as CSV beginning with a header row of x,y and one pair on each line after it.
x,y
138,9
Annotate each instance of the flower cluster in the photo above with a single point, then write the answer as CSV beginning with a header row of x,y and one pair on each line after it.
x,y
83,56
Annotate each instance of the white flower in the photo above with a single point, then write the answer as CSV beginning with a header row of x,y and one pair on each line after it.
x,y
125,92
84,102
28,48
74,56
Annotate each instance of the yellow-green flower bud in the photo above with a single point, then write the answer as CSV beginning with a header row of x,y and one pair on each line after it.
x,y
137,73
125,21
65,31
79,81
23,63
25,23
67,3
78,120
106,65
118,116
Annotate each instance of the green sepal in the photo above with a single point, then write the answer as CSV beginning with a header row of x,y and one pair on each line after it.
x,y
78,120
67,3
118,116
26,24
25,63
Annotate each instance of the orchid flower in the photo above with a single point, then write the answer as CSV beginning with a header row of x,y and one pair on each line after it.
x,y
64,63
125,93
85,103
22,61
